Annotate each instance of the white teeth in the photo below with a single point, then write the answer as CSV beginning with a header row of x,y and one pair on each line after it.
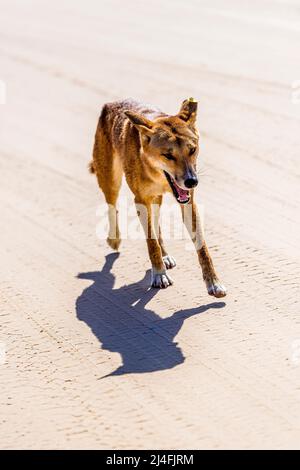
x,y
181,198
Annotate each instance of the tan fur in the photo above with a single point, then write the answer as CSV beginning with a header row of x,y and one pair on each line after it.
x,y
142,142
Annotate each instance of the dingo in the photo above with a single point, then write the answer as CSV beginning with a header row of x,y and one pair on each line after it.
x,y
157,153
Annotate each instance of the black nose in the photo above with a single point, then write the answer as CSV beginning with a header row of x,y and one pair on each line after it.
x,y
191,182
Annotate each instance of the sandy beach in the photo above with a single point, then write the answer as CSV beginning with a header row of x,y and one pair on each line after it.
x,y
89,356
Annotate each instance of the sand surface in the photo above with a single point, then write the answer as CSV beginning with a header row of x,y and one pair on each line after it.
x,y
94,359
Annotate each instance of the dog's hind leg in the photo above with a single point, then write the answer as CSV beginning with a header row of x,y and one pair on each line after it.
x,y
169,261
109,173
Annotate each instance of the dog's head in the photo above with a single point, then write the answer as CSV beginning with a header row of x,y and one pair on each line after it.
x,y
171,144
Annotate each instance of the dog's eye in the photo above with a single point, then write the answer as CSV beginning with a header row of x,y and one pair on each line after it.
x,y
169,156
192,151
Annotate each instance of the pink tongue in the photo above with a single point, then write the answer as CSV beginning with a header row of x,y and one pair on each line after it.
x,y
183,194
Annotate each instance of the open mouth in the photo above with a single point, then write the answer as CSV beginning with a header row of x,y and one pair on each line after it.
x,y
181,195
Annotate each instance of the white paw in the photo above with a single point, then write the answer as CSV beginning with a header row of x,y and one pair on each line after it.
x,y
169,261
216,289
160,280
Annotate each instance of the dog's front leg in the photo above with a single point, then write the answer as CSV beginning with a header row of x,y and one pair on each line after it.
x,y
193,224
146,212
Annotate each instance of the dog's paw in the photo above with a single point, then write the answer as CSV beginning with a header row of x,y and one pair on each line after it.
x,y
160,280
169,261
216,289
114,243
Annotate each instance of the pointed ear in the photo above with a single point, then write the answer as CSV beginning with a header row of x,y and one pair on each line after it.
x,y
140,122
188,111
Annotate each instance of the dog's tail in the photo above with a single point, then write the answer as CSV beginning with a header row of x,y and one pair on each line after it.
x,y
92,167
